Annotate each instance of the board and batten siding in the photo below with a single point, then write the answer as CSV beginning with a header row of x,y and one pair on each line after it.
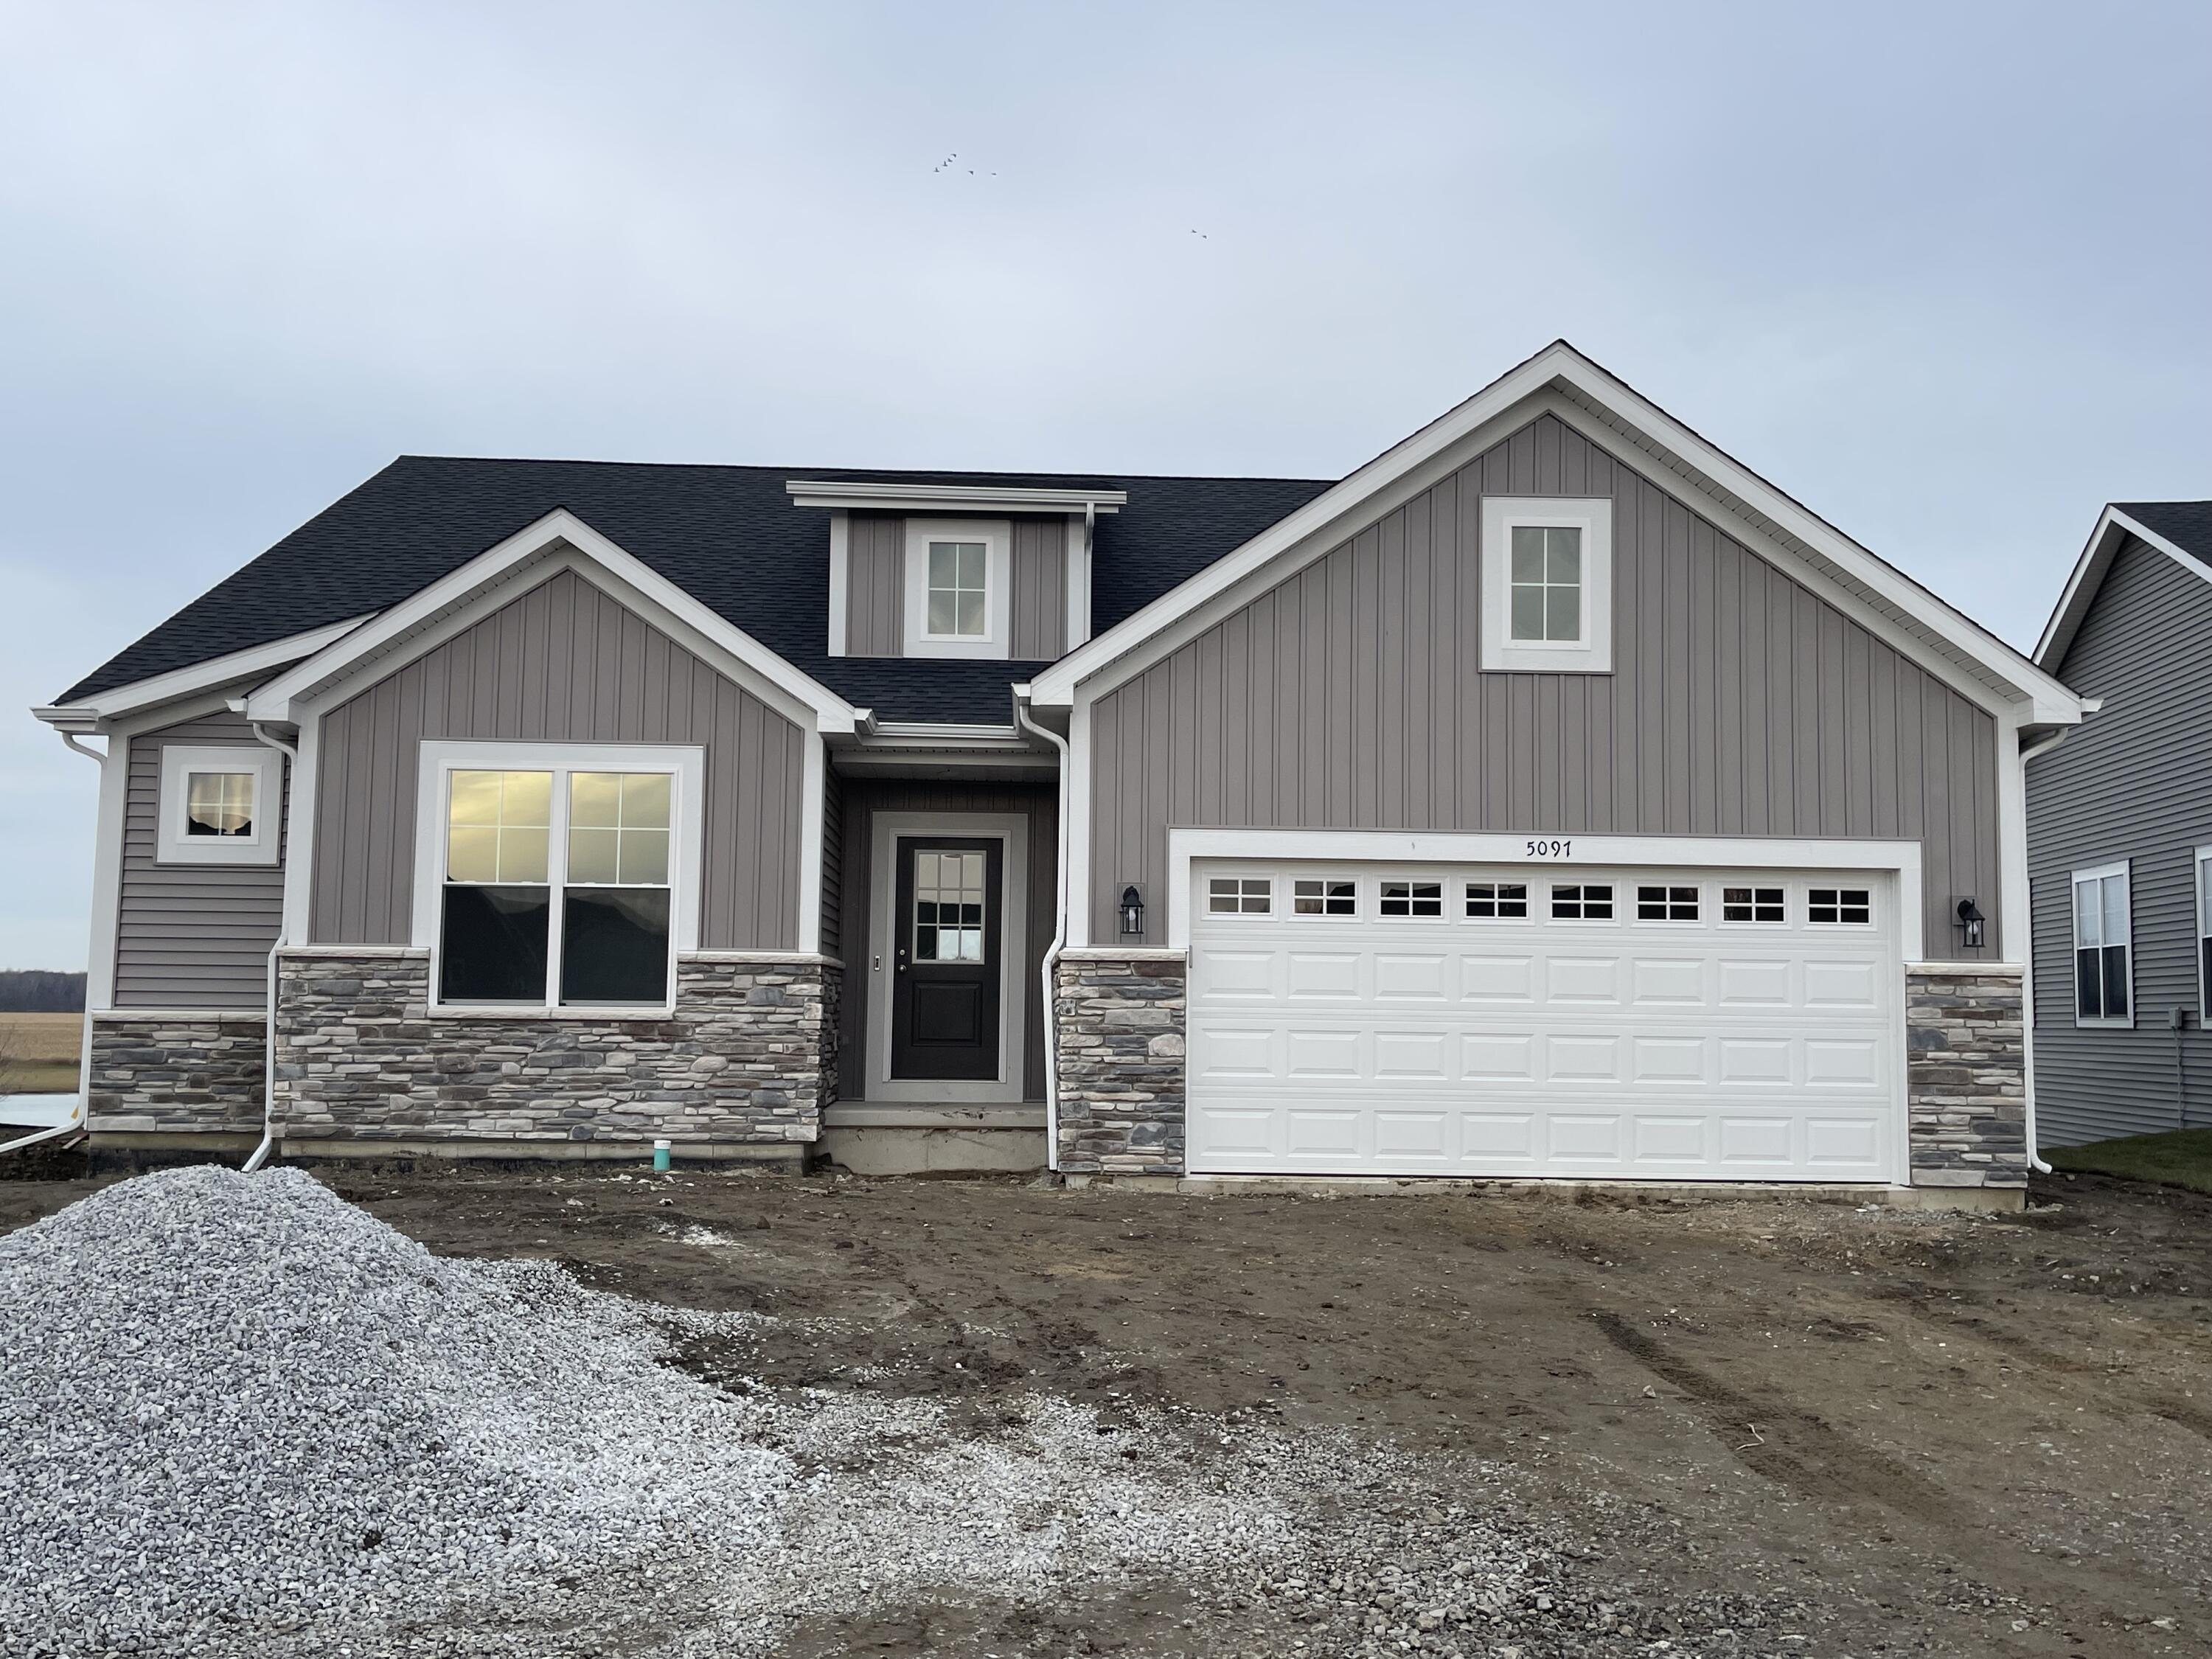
x,y
1351,696
875,588
863,799
2133,782
563,663
195,935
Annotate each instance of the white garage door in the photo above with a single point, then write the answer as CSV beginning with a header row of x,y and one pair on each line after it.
x,y
1643,1024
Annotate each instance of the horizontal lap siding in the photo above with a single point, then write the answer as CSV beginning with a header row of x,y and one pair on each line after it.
x,y
2134,781
863,799
875,592
189,936
563,663
1350,697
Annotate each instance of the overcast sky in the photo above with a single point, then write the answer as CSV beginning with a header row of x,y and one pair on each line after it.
x,y
1938,271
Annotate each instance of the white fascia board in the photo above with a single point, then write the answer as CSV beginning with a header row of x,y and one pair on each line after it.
x,y
250,663
1902,858
951,498
1560,364
841,579
392,627
2113,528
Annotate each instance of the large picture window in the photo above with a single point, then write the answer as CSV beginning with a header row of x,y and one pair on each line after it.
x,y
2103,940
558,884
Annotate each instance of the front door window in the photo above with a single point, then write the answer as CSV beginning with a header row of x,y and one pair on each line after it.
x,y
949,893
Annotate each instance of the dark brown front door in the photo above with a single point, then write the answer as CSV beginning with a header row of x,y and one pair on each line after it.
x,y
944,959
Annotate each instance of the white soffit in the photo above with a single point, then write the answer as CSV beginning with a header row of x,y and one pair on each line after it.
x,y
252,663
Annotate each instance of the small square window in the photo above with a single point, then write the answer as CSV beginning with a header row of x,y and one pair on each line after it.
x,y
1500,901
1324,898
1751,904
1584,902
956,590
219,805
1240,896
1413,898
1666,904
1851,905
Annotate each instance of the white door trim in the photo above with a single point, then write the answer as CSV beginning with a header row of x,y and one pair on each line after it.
x,y
1012,830
1427,847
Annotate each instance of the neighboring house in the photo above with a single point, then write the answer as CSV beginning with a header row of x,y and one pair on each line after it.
x,y
2120,835
1552,797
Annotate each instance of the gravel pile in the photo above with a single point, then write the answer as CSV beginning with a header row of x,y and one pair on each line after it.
x,y
240,1416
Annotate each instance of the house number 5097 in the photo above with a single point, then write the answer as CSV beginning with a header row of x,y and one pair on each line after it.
x,y
1551,849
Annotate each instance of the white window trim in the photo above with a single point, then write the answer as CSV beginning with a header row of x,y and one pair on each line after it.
x,y
1789,892
685,763
1700,902
2200,872
1593,653
1290,887
1240,914
2099,873
998,539
179,760
1443,883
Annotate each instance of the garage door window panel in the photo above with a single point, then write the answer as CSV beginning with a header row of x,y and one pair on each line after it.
x,y
2103,968
1582,901
1240,896
1840,907
1666,903
1413,899
1311,897
1760,906
1498,901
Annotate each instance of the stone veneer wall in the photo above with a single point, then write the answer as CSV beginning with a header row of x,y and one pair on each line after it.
x,y
1966,1076
748,1055
1119,1024
162,1073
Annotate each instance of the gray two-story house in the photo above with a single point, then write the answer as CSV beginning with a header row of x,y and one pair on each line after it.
x,y
1549,798
2120,834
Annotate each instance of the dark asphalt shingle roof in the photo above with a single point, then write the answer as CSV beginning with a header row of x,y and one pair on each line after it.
x,y
728,535
2187,525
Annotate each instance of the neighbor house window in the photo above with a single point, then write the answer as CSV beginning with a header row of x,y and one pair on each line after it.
x,y
1547,596
220,806
562,884
1585,903
1324,898
1851,905
1666,904
1231,895
2204,933
1499,901
1751,904
1413,898
958,578
2102,972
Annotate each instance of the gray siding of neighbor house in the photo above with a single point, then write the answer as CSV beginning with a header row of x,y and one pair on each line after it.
x,y
189,936
1350,697
875,599
2133,782
875,588
562,663
863,798
1039,599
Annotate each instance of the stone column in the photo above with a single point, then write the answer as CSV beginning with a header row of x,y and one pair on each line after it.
x,y
1966,1074
1119,1029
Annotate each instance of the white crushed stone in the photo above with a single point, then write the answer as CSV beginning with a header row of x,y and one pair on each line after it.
x,y
241,1415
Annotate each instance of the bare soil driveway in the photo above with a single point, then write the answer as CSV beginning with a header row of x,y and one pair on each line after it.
x,y
1874,1430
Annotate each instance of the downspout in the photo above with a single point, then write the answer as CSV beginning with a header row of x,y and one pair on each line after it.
x,y
2027,975
260,1154
77,1119
1059,941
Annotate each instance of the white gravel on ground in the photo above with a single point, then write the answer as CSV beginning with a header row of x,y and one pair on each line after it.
x,y
239,1415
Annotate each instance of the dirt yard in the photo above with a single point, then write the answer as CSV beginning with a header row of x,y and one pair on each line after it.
x,y
1875,1431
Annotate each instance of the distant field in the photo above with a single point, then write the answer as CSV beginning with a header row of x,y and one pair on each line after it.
x,y
39,1053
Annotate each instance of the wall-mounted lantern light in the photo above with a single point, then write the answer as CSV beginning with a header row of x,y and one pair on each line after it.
x,y
1133,911
1971,919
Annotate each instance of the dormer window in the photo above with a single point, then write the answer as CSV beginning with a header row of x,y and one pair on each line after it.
x,y
958,580
958,588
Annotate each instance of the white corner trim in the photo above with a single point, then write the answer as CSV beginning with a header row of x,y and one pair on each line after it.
x,y
813,809
1593,653
1559,364
392,627
2113,528
107,874
1078,583
174,846
1012,830
1901,858
951,498
685,763
301,808
249,664
1076,799
841,579
997,536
